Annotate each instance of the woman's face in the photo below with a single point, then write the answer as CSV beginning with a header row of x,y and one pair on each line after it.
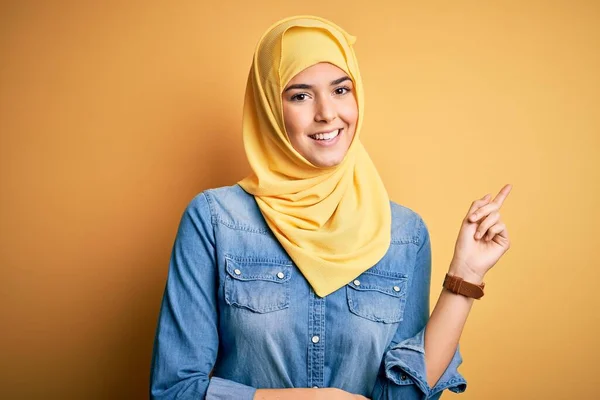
x,y
320,113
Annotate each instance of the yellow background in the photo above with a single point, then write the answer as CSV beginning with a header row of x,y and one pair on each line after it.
x,y
114,115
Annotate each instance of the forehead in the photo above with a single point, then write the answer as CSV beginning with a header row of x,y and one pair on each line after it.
x,y
323,72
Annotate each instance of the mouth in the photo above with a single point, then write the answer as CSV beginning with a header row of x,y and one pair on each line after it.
x,y
326,137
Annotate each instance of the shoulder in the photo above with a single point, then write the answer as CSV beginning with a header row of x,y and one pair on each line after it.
x,y
230,206
407,225
224,196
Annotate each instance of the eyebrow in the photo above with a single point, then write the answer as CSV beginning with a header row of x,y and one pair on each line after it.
x,y
305,86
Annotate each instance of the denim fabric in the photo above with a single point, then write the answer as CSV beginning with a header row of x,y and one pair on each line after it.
x,y
237,314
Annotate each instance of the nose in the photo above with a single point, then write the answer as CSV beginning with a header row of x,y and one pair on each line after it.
x,y
325,110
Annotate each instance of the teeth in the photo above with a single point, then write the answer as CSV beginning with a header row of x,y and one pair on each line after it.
x,y
326,136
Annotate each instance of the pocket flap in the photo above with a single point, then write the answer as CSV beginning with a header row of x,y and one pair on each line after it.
x,y
258,271
391,283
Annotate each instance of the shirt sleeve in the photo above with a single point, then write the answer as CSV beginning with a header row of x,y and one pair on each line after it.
x,y
186,340
403,373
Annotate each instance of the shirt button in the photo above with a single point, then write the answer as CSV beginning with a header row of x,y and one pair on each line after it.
x,y
356,282
280,275
237,271
315,339
396,289
403,377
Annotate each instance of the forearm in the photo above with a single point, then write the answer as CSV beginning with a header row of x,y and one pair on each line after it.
x,y
291,394
305,394
445,326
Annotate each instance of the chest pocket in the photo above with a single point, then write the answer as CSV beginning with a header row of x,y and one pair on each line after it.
x,y
379,296
260,286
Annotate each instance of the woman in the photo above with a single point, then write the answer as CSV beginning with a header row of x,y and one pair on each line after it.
x,y
304,280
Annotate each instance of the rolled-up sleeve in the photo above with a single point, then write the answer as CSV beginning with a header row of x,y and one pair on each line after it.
x,y
186,340
224,389
403,374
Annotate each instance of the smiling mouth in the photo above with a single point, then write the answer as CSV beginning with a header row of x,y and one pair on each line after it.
x,y
327,136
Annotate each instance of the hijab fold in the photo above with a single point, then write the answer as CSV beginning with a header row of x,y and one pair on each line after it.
x,y
334,222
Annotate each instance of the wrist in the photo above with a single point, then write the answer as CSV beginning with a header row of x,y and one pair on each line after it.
x,y
460,270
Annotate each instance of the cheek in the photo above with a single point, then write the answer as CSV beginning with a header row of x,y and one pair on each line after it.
x,y
295,119
350,113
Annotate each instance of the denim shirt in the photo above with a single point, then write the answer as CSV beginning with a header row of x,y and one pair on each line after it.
x,y
237,314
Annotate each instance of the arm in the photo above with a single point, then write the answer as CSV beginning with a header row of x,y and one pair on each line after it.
x,y
306,394
445,326
482,240
405,373
186,341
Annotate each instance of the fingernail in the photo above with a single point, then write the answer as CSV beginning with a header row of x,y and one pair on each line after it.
x,y
472,217
477,235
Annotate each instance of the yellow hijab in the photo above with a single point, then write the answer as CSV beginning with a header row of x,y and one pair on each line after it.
x,y
334,222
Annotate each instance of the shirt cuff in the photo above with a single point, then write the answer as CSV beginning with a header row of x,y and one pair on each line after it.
x,y
224,389
405,365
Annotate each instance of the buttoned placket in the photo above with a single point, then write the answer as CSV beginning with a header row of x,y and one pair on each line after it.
x,y
316,340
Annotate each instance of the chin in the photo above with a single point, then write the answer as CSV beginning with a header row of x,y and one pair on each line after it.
x,y
326,163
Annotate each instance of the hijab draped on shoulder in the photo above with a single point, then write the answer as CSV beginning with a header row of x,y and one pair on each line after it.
x,y
334,222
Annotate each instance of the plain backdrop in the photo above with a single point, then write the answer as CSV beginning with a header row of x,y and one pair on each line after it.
x,y
114,115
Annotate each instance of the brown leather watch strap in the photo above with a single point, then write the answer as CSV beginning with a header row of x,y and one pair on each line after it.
x,y
457,285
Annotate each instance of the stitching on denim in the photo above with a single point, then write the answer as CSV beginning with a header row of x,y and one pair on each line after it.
x,y
258,260
245,228
452,383
410,347
421,227
390,274
407,240
280,306
372,288
319,305
209,201
311,328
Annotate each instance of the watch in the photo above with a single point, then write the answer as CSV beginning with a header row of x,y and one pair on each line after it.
x,y
457,285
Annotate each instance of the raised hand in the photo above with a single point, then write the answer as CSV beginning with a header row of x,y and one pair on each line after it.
x,y
483,237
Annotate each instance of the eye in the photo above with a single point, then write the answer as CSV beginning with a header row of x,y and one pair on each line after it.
x,y
299,97
342,90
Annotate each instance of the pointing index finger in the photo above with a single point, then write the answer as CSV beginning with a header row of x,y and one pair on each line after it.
x,y
501,196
